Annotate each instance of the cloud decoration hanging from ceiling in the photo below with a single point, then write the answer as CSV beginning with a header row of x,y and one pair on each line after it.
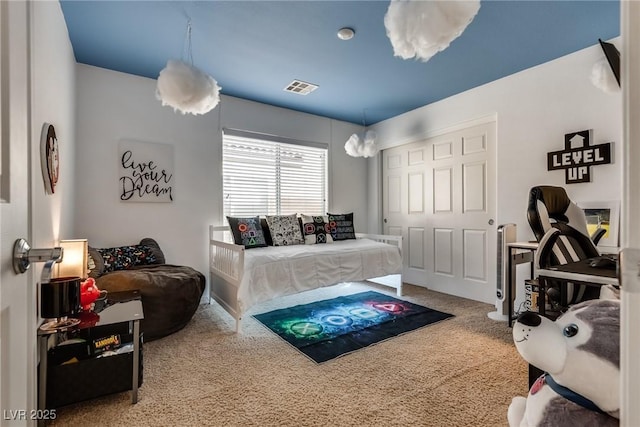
x,y
603,78
420,29
364,146
187,89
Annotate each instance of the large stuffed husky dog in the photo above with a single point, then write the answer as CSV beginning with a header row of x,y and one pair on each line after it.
x,y
580,353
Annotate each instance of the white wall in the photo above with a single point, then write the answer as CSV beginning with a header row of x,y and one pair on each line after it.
x,y
53,68
113,105
534,109
52,81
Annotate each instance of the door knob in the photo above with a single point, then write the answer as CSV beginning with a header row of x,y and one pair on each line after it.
x,y
23,256
385,220
491,222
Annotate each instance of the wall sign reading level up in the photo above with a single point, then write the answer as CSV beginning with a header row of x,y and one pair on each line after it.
x,y
578,156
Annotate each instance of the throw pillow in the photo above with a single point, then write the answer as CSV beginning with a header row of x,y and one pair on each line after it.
x,y
247,232
265,230
341,226
285,230
125,257
155,249
316,229
95,264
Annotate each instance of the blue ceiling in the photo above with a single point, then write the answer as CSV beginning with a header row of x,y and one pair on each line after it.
x,y
254,49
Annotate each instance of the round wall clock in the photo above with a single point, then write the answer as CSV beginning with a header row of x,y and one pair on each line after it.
x,y
49,158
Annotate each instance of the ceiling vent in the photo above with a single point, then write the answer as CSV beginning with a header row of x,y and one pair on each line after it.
x,y
300,87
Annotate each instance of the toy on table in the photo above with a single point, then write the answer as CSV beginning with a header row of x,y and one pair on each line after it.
x,y
89,292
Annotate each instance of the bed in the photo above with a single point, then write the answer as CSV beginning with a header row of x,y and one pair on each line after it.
x,y
240,278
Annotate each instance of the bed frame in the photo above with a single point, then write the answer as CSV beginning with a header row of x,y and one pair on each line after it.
x,y
226,267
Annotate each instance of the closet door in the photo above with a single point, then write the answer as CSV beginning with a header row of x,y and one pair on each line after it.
x,y
440,195
405,181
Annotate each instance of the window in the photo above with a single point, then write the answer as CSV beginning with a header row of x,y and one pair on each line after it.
x,y
266,175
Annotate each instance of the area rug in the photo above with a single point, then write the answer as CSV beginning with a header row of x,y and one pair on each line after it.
x,y
324,330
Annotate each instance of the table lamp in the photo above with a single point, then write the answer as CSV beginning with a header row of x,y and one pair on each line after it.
x,y
74,259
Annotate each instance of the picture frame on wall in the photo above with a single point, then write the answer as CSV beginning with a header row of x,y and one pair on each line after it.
x,y
605,215
145,171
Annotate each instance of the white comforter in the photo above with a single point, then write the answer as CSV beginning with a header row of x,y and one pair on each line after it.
x,y
284,270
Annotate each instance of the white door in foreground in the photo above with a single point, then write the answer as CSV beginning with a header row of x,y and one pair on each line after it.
x,y
17,292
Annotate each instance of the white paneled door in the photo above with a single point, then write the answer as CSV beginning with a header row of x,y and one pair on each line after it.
x,y
439,194
17,291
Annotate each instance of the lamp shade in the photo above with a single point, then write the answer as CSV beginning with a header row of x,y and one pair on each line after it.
x,y
74,258
60,297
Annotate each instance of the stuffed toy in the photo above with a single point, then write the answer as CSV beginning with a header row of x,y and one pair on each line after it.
x,y
580,355
89,292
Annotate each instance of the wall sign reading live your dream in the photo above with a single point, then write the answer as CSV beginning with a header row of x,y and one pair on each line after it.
x,y
146,171
578,156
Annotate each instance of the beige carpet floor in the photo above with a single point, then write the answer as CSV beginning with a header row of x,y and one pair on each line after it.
x,y
459,372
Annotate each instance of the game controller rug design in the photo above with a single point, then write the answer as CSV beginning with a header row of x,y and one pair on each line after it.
x,y
326,329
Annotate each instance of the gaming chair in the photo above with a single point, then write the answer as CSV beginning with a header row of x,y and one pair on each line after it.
x,y
551,209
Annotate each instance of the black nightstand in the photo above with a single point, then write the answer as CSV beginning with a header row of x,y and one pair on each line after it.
x,y
88,377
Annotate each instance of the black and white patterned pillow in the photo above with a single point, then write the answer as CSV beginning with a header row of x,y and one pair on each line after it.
x,y
285,230
247,232
341,226
125,257
316,229
105,260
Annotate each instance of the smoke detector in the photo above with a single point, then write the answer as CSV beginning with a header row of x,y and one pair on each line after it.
x,y
346,33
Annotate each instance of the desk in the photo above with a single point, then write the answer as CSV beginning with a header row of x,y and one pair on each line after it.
x,y
575,272
580,272
519,253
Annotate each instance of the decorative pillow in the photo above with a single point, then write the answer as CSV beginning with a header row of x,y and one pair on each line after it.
x,y
285,230
247,232
316,229
125,257
265,230
95,265
155,249
341,226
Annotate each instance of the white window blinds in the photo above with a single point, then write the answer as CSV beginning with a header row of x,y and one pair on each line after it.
x,y
266,175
